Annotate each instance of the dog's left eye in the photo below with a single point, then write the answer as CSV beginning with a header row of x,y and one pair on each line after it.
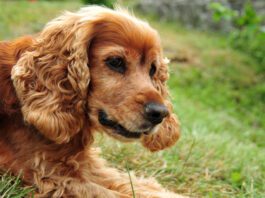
x,y
152,70
116,63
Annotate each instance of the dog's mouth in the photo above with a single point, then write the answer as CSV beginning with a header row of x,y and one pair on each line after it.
x,y
117,128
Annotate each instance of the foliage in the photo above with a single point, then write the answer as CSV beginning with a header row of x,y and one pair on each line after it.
x,y
249,32
108,3
221,11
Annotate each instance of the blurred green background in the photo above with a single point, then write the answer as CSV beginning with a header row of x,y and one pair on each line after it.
x,y
217,84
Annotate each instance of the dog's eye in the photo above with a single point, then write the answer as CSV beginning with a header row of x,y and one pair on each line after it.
x,y
152,70
116,63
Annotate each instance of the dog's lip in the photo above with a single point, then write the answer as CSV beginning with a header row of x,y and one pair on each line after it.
x,y
119,129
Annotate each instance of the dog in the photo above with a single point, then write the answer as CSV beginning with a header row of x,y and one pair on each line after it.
x,y
96,70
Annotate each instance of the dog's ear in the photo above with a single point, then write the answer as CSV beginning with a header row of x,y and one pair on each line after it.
x,y
169,131
51,80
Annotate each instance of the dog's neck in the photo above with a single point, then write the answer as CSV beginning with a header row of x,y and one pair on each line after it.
x,y
20,143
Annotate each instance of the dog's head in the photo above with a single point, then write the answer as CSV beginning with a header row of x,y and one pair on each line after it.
x,y
99,66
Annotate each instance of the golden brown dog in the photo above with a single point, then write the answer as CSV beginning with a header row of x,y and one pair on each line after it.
x,y
94,70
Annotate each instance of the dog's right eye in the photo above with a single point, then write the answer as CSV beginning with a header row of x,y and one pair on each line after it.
x,y
116,63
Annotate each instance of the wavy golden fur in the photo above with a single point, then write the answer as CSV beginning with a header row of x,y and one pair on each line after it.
x,y
57,89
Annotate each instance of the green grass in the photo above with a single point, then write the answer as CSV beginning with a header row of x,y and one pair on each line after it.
x,y
21,17
218,96
11,187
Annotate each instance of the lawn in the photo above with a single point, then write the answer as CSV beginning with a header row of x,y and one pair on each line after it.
x,y
217,94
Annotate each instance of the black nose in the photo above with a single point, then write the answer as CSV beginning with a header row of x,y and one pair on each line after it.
x,y
155,112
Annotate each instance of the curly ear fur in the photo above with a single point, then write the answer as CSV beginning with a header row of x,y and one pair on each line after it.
x,y
169,131
51,79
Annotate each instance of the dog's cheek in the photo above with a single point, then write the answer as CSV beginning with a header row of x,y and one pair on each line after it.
x,y
167,136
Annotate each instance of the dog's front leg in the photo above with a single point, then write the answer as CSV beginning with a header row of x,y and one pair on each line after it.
x,y
125,185
69,187
135,187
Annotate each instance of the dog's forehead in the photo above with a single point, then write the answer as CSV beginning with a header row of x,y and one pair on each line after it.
x,y
111,49
127,31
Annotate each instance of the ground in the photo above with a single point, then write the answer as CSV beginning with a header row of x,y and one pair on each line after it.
x,y
217,94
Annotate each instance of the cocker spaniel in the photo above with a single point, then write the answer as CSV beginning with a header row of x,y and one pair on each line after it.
x,y
94,70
